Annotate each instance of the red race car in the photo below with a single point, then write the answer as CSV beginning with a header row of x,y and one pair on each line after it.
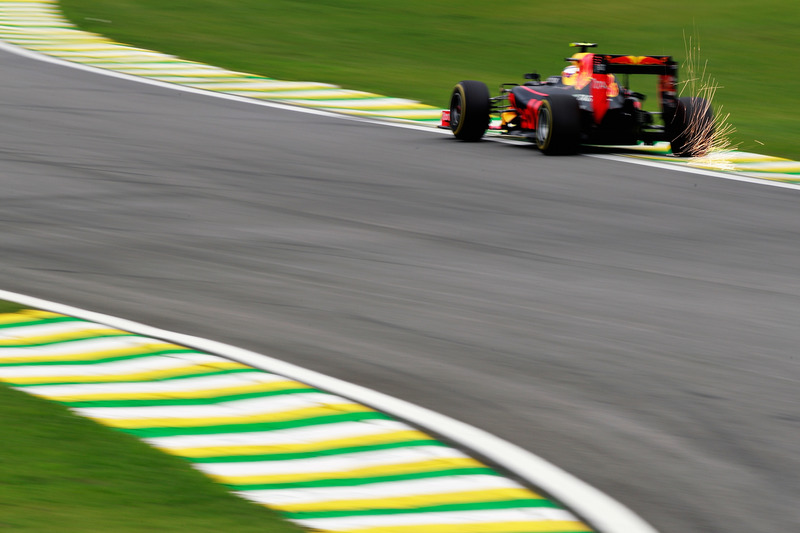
x,y
588,104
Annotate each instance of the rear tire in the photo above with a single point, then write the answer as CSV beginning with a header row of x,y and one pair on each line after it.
x,y
691,129
558,126
469,110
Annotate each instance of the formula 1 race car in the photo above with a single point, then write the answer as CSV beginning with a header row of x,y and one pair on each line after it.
x,y
586,105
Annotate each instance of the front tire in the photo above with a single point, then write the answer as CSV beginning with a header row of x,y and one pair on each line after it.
x,y
470,108
691,129
558,125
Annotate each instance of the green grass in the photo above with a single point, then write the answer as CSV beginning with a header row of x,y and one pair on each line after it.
x,y
9,307
60,472
419,49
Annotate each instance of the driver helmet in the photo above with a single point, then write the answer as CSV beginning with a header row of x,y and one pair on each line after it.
x,y
569,74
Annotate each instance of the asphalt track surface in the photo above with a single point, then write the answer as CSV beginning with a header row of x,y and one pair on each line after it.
x,y
635,326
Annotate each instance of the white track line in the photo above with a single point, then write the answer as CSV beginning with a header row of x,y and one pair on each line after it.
x,y
690,170
13,49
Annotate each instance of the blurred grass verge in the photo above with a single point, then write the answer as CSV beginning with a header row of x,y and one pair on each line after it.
x,y
419,49
9,307
60,472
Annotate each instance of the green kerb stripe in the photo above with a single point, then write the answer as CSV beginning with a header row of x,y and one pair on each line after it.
x,y
263,426
476,506
354,482
317,453
39,322
191,401
5,344
139,355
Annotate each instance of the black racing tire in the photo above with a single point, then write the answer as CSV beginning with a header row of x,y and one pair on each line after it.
x,y
470,107
691,128
558,127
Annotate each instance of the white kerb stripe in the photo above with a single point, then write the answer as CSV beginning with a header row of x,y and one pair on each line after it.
x,y
254,406
338,463
142,364
302,435
198,384
81,346
377,491
354,523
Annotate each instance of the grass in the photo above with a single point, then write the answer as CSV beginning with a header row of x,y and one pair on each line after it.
x,y
60,472
9,307
418,49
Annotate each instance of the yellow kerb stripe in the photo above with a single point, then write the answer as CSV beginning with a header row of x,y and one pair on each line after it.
x,y
26,316
136,376
432,465
67,336
366,440
411,502
143,349
294,414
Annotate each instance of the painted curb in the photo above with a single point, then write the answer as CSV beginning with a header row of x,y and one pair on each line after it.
x,y
27,368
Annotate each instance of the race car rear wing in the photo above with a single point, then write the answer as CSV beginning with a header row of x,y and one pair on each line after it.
x,y
600,68
622,64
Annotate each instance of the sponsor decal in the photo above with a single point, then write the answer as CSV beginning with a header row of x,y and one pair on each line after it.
x,y
611,89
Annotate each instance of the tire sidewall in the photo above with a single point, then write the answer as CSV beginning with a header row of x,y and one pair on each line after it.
x,y
684,142
458,127
543,141
471,121
562,118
